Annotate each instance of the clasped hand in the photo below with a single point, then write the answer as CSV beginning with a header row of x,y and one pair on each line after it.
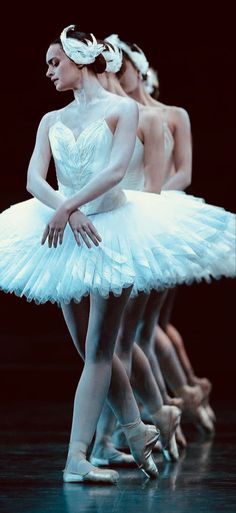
x,y
80,225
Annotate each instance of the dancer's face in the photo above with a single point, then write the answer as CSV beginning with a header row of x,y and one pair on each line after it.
x,y
130,78
63,72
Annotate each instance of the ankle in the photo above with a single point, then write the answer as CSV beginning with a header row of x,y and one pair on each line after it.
x,y
159,412
133,428
165,413
180,391
102,440
77,449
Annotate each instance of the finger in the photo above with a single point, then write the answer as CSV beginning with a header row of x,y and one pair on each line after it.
x,y
92,236
61,233
55,238
95,232
85,238
76,236
45,234
50,237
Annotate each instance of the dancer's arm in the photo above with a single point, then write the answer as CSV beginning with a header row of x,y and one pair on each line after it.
x,y
38,167
40,188
182,152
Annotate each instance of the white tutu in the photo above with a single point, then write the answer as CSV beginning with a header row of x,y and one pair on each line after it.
x,y
151,242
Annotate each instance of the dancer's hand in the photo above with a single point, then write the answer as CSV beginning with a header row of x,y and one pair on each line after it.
x,y
81,226
54,230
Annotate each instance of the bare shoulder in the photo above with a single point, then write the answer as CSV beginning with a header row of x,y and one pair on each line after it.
x,y
125,106
151,117
48,120
179,115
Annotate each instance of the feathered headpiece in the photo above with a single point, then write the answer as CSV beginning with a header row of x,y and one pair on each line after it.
x,y
137,57
151,81
78,51
113,57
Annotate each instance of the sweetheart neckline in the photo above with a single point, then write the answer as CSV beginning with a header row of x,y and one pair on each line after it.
x,y
102,121
76,139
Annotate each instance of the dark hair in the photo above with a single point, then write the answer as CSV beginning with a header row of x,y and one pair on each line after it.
x,y
99,65
155,93
123,66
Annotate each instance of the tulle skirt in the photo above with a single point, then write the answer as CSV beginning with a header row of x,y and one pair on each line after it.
x,y
151,242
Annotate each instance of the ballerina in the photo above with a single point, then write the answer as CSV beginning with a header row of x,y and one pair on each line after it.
x,y
178,146
123,250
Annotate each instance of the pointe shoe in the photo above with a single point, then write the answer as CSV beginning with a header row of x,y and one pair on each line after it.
x,y
180,438
204,421
141,444
172,453
87,473
210,413
157,447
167,419
113,458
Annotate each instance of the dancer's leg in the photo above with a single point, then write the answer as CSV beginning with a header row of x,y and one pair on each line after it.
x,y
169,362
192,379
160,349
177,341
127,332
143,373
132,326
145,386
132,318
193,397
166,418
167,307
145,338
104,320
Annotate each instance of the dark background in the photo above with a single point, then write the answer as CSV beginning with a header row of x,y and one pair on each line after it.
x,y
193,50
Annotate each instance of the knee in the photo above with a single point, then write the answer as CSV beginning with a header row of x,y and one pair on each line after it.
x,y
100,351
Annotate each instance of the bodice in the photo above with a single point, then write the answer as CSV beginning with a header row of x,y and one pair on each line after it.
x,y
79,159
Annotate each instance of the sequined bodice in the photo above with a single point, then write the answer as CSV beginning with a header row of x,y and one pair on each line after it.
x,y
79,159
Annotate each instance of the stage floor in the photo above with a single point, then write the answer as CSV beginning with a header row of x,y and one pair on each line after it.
x,y
33,446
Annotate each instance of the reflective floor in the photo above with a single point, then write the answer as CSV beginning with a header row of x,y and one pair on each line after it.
x,y
33,455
